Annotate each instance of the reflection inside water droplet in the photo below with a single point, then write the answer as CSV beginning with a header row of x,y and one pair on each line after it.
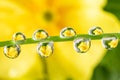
x,y
40,34
110,42
82,45
45,49
18,36
95,31
12,51
67,32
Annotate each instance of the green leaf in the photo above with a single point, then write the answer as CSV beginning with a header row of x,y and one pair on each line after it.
x,y
109,67
113,6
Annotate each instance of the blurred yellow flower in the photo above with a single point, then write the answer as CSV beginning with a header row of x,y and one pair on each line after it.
x,y
52,15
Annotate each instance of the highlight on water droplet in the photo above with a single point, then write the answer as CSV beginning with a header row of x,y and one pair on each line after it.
x,y
18,36
95,31
39,35
82,45
45,49
67,32
110,42
12,51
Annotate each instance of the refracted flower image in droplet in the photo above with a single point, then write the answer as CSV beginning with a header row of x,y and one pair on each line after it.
x,y
82,45
95,31
45,49
18,36
12,51
110,42
67,32
39,35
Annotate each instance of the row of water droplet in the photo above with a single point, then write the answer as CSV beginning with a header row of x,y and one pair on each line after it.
x,y
45,49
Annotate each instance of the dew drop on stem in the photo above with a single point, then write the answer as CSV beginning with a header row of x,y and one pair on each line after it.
x,y
45,49
12,51
82,45
39,35
67,32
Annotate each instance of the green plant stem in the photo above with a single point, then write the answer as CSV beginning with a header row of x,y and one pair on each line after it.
x,y
58,39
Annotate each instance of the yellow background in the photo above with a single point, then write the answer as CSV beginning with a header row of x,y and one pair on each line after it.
x,y
26,16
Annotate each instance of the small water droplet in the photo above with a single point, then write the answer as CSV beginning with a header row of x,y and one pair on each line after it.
x,y
67,32
110,42
82,45
95,31
45,49
18,36
12,51
40,34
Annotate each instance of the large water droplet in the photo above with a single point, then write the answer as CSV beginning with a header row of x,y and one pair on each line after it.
x,y
82,45
40,34
12,51
95,31
67,32
110,42
18,36
45,49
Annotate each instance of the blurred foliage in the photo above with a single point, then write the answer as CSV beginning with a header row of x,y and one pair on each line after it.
x,y
109,67
113,6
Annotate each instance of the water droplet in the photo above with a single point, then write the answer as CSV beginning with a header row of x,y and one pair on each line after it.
x,y
40,34
18,36
12,51
95,31
67,32
110,42
82,45
45,49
